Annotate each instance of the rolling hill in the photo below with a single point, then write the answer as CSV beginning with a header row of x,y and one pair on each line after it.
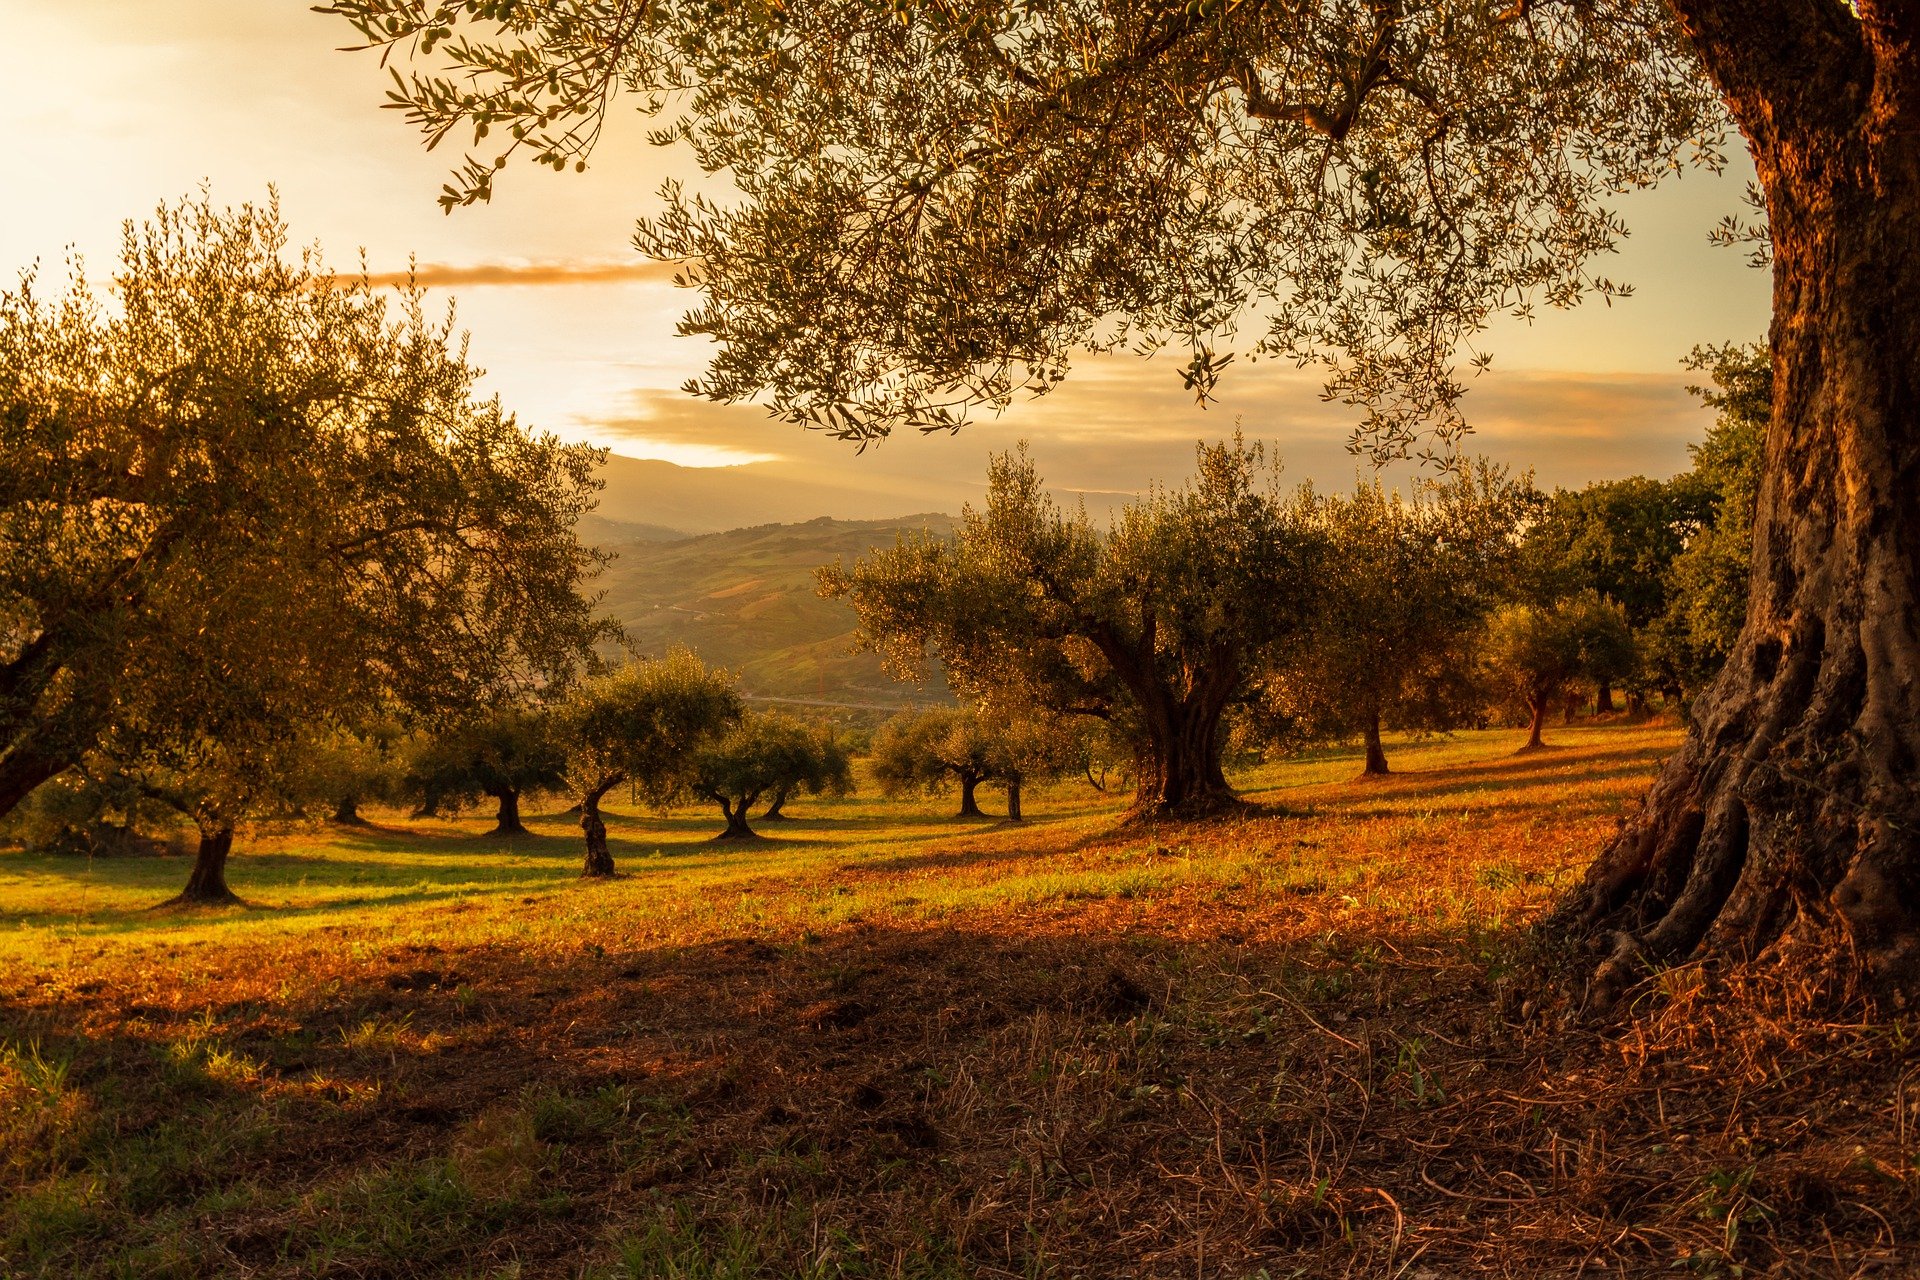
x,y
745,599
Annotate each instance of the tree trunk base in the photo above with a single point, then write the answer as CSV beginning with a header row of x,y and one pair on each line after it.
x,y
506,821
207,884
1779,828
1198,808
221,897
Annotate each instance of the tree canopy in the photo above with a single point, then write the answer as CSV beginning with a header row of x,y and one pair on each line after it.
x,y
931,750
252,493
503,752
1405,584
640,724
934,204
1707,582
765,754
1534,653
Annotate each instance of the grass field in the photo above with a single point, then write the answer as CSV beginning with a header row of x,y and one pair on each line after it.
x,y
1308,1040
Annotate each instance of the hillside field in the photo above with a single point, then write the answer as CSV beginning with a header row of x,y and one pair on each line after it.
x,y
1309,1040
746,600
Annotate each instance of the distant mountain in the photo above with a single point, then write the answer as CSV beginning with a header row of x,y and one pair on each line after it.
x,y
599,531
646,491
745,599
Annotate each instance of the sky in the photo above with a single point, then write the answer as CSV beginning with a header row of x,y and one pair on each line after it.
x,y
117,105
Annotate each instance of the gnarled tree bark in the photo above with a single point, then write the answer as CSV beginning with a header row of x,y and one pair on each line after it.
x,y
1794,806
736,816
1179,774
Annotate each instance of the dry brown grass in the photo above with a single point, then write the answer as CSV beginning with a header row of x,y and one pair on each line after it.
x,y
1298,1043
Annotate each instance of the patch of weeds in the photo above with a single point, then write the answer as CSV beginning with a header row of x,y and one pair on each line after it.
x,y
376,1033
498,1154
44,1119
414,1216
46,1221
595,1117
676,1246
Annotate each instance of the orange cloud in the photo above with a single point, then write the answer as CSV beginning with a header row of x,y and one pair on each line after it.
x,y
435,274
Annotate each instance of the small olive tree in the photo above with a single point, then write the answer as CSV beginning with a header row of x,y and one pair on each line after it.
x,y
764,755
503,753
928,751
640,723
343,768
1406,585
1535,653
1029,747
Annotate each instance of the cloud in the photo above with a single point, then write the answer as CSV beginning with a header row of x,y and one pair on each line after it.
x,y
1118,426
518,274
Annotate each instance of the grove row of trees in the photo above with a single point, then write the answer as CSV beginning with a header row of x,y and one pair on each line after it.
x,y
1228,612
263,548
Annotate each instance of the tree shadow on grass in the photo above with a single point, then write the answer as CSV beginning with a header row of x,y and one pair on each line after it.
x,y
1121,1100
1506,775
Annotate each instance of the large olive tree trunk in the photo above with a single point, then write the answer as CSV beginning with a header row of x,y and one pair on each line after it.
x,y
1794,805
1178,774
207,885
506,821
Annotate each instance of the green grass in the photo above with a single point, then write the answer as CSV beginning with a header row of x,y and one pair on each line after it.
x,y
839,860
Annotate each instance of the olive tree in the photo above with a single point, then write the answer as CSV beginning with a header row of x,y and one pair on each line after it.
x,y
823,768
247,496
503,752
640,724
935,203
1406,584
215,781
1535,653
344,768
1159,623
928,751
764,755
1619,538
1034,747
